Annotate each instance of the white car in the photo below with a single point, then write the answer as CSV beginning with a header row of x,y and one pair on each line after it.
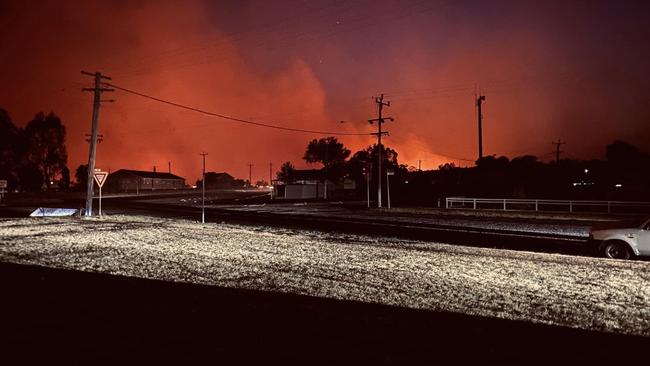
x,y
622,243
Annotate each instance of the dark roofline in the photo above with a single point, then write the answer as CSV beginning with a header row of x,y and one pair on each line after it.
x,y
219,173
149,174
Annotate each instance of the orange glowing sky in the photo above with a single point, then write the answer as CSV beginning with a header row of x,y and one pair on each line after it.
x,y
577,72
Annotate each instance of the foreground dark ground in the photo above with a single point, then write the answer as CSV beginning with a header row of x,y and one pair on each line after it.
x,y
70,317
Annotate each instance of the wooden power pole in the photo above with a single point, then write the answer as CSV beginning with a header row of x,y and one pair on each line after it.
x,y
380,120
479,102
557,150
98,90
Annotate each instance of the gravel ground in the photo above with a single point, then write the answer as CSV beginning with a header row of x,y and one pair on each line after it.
x,y
587,293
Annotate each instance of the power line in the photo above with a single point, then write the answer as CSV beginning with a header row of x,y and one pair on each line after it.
x,y
454,157
235,119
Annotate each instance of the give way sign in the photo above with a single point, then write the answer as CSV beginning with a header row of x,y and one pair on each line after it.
x,y
100,177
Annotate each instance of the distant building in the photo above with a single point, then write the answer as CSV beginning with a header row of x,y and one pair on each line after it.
x,y
126,180
310,184
221,181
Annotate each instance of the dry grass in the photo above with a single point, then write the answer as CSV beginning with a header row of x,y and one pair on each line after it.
x,y
588,293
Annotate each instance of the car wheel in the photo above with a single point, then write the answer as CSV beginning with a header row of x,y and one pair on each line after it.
x,y
616,250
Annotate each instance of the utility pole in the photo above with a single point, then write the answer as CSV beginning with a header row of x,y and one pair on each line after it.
x,y
98,90
380,120
153,179
419,165
479,102
557,150
203,189
169,165
250,175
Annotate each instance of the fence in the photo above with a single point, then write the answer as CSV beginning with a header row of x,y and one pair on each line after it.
x,y
548,205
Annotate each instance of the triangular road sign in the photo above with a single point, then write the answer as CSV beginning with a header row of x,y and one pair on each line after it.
x,y
100,178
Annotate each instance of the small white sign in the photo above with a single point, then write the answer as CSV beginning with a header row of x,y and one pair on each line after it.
x,y
3,183
49,212
390,172
100,177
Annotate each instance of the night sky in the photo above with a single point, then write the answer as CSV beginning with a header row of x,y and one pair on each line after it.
x,y
570,70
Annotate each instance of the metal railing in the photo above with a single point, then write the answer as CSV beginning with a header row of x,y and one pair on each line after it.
x,y
547,205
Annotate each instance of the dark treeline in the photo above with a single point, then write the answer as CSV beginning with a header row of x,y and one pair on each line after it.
x,y
34,158
624,175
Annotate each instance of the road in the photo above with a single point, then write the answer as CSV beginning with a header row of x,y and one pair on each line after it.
x,y
560,233
545,233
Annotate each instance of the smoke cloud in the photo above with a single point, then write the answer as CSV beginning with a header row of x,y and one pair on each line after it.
x,y
548,71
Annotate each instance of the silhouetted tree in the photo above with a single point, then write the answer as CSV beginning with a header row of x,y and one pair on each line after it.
x,y
81,176
45,137
286,172
329,152
624,155
524,175
64,183
365,162
359,163
9,152
629,167
31,177
389,156
447,166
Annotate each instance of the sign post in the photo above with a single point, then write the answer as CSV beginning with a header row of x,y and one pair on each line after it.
x,y
100,179
388,173
367,173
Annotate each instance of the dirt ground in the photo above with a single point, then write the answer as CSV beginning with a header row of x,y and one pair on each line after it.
x,y
578,292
